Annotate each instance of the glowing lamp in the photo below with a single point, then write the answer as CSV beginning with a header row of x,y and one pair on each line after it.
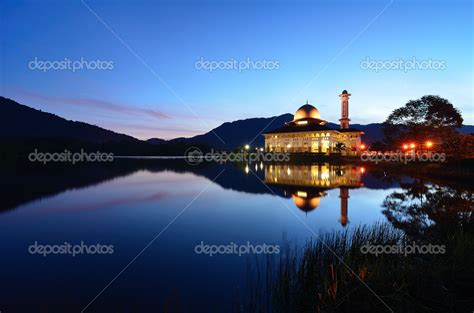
x,y
362,146
362,170
412,145
405,146
247,147
429,144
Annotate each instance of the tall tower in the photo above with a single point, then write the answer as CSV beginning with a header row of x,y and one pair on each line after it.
x,y
344,109
344,195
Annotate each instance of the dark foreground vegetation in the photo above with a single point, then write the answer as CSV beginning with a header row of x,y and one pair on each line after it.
x,y
331,274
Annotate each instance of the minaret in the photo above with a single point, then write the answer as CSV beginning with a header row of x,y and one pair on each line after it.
x,y
344,109
344,195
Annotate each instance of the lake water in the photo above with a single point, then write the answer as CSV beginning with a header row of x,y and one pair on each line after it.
x,y
154,215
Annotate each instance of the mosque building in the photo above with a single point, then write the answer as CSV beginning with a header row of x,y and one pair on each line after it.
x,y
308,133
307,185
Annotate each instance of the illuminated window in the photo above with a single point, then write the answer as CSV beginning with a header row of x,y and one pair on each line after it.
x,y
301,194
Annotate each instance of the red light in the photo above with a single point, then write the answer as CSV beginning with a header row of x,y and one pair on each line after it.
x,y
362,170
362,146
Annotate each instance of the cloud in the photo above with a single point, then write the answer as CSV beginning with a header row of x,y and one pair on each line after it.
x,y
98,104
144,125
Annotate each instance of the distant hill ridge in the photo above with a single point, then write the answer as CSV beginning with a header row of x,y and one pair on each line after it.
x,y
17,120
241,132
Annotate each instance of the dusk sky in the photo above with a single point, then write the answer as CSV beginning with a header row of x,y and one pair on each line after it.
x,y
155,90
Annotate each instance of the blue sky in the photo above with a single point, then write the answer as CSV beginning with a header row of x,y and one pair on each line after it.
x,y
155,90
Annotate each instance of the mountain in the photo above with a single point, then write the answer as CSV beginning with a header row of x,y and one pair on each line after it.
x,y
467,129
241,132
156,141
238,133
17,120
20,121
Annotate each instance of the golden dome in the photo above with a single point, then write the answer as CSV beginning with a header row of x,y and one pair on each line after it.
x,y
307,111
306,204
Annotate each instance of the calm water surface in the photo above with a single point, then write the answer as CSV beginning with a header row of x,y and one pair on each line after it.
x,y
178,207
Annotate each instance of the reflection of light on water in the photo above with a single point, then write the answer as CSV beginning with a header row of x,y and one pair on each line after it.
x,y
256,167
247,170
261,165
321,175
301,194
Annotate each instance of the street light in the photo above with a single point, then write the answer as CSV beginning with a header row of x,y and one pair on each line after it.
x,y
247,147
429,144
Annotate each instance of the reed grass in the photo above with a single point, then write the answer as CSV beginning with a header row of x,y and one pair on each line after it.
x,y
331,274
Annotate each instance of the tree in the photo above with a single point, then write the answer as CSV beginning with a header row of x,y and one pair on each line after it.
x,y
339,147
426,211
430,117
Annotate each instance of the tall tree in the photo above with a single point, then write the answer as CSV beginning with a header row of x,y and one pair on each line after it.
x,y
430,117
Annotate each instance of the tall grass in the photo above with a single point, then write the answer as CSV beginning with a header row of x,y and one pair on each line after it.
x,y
331,274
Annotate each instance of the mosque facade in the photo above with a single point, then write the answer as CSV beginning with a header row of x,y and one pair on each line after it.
x,y
309,133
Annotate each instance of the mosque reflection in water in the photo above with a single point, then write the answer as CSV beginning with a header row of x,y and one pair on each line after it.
x,y
307,184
